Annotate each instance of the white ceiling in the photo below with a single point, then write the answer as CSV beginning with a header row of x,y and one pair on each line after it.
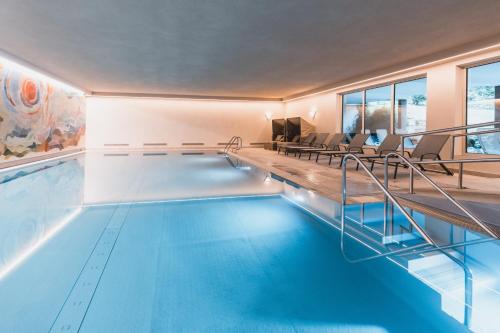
x,y
245,48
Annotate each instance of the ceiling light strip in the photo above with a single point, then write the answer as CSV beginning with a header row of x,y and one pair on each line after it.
x,y
183,97
29,70
423,66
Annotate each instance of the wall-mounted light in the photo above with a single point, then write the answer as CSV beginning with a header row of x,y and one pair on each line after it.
x,y
313,112
268,115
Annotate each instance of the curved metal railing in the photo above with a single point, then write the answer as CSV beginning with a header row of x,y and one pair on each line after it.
x,y
429,241
230,146
414,168
229,143
387,196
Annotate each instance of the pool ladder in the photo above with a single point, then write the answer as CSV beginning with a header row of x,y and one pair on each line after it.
x,y
234,144
389,196
416,249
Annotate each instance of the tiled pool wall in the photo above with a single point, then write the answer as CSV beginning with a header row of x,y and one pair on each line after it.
x,y
308,199
36,202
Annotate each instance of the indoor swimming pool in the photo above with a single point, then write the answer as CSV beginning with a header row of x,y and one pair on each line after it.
x,y
196,242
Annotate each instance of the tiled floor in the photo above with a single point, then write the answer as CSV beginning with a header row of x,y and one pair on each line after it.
x,y
327,179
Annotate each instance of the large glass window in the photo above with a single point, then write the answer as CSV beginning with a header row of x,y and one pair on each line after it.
x,y
409,104
377,114
352,113
410,108
483,105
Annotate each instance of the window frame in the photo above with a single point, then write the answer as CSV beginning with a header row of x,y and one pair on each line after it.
x,y
394,100
362,109
466,107
466,118
392,85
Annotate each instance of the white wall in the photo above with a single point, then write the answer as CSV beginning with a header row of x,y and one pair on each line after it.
x,y
135,121
327,115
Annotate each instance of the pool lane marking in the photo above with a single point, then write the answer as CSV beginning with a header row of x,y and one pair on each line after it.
x,y
74,309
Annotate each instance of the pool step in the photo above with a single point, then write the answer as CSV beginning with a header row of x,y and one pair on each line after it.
x,y
460,290
368,219
443,272
438,269
400,238
457,287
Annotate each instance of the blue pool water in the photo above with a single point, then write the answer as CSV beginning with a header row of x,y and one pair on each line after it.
x,y
192,243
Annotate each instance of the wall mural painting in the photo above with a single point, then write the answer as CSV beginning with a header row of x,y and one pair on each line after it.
x,y
36,116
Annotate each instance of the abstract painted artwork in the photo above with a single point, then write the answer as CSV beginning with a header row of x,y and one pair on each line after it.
x,y
37,115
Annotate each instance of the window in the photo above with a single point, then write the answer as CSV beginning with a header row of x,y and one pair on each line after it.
x,y
377,114
409,104
352,113
410,108
483,105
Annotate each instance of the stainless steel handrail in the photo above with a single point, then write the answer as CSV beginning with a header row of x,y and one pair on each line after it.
x,y
452,129
414,168
445,130
230,142
460,163
454,136
388,196
495,130
234,140
414,250
239,144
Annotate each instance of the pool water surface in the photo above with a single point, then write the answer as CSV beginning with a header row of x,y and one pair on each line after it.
x,y
193,243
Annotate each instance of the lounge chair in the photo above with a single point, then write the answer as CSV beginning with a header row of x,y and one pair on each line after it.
x,y
390,144
294,141
279,138
428,147
316,143
307,142
355,146
319,142
332,143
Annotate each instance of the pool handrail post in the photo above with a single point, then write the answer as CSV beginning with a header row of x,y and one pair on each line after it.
x,y
386,192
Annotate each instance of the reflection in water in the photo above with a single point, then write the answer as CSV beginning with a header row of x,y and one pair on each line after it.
x,y
33,242
132,178
38,201
34,204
